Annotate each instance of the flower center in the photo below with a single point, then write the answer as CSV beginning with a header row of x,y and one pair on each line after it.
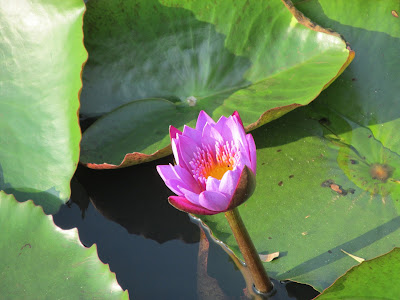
x,y
218,171
215,163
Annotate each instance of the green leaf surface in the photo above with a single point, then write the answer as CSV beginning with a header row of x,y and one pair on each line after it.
x,y
374,279
41,57
309,208
329,174
42,261
257,57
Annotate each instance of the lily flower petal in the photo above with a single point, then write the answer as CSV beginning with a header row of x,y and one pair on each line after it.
x,y
210,135
173,132
202,120
166,172
212,184
175,176
215,201
177,155
238,133
234,132
221,123
194,134
186,177
236,114
175,186
187,149
191,196
183,204
252,152
229,182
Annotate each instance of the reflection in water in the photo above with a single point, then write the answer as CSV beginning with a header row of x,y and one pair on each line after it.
x,y
136,198
282,289
148,270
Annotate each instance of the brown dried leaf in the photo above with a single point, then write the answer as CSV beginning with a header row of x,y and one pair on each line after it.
x,y
268,257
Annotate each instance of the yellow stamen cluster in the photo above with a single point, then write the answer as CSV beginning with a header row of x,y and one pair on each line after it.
x,y
214,163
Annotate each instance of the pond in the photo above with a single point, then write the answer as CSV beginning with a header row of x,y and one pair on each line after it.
x,y
299,74
152,247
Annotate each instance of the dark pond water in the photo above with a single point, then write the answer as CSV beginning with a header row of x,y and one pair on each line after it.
x,y
152,247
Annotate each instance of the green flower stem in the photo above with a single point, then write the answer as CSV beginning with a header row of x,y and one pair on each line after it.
x,y
249,252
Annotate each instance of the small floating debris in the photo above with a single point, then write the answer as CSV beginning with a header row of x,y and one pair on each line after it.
x,y
359,259
337,188
269,257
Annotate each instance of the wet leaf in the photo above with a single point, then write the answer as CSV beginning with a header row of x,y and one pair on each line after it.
x,y
40,260
41,57
155,63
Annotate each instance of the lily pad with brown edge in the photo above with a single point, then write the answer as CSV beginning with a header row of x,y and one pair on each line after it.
x,y
40,260
368,92
41,59
373,279
158,63
328,174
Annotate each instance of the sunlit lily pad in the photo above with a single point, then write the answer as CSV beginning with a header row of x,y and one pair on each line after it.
x,y
41,57
250,56
328,174
41,261
374,279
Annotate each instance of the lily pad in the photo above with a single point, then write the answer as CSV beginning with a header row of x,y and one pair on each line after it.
x,y
306,207
371,279
257,57
42,53
368,98
40,260
329,173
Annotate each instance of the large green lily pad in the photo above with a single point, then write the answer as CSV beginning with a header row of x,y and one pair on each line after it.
x,y
309,207
41,57
328,174
41,261
167,60
374,279
367,93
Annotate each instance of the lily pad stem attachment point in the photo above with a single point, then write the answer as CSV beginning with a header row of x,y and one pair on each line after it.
x,y
191,100
261,280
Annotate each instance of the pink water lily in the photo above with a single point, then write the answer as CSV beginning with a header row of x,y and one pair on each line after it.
x,y
215,165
